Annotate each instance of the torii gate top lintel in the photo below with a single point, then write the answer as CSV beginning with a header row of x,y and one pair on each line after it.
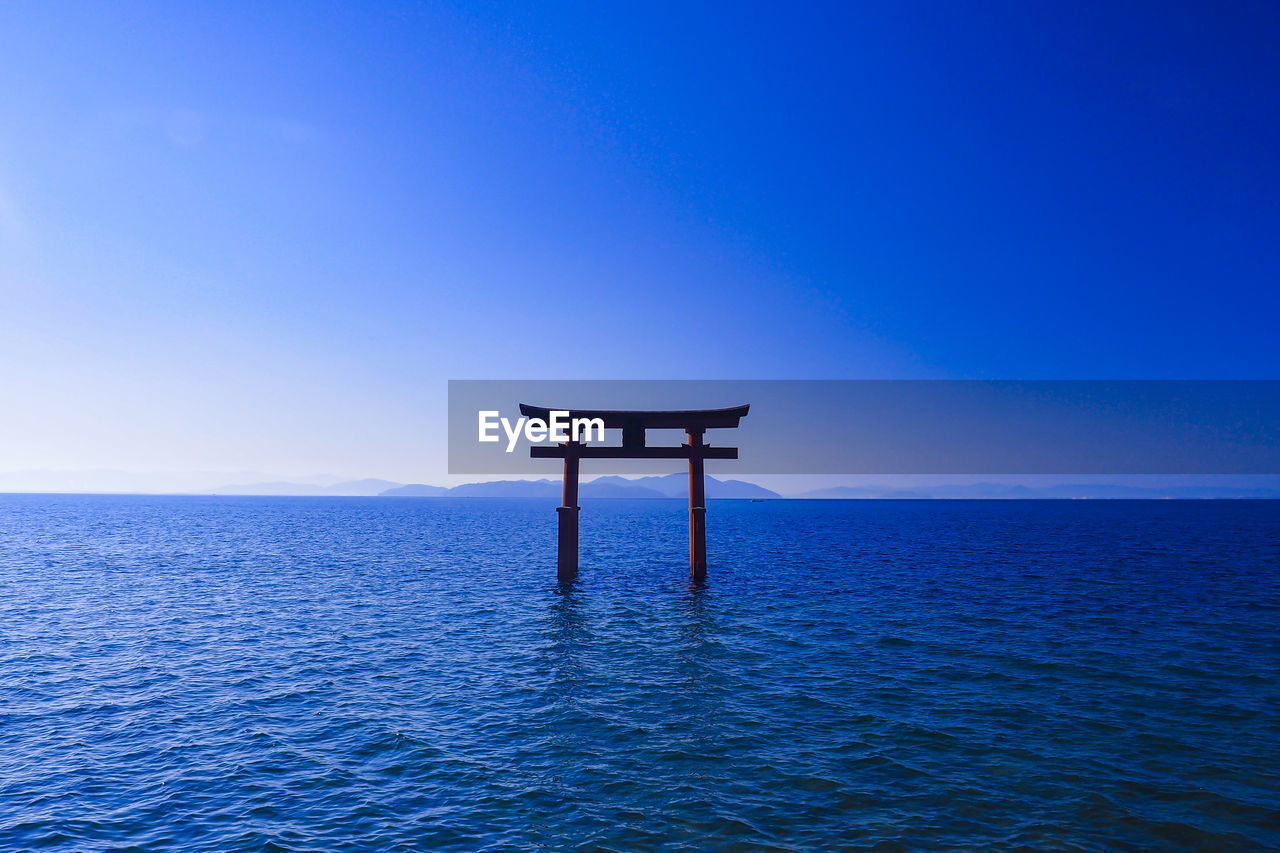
x,y
685,419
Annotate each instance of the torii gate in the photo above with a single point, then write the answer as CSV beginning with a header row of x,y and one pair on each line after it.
x,y
633,425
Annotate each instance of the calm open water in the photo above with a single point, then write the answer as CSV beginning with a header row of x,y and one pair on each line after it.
x,y
404,674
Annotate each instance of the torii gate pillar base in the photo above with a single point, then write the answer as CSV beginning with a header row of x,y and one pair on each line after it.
x,y
698,544
567,545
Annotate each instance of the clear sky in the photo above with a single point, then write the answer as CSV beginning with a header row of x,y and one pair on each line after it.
x,y
263,236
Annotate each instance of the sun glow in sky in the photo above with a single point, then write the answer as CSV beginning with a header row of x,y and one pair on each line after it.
x,y
242,238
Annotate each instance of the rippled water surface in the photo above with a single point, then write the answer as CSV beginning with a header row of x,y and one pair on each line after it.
x,y
404,674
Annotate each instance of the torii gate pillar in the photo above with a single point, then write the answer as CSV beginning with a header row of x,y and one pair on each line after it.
x,y
697,509
567,542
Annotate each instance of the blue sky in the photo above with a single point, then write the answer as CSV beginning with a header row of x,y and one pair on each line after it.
x,y
245,238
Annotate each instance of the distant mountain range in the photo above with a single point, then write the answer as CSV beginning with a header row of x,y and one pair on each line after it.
x,y
670,486
677,485
105,481
354,488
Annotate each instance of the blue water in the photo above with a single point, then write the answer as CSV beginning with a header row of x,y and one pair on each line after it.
x,y
404,674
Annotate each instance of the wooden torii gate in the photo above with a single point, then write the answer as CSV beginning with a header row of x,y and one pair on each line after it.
x,y
633,425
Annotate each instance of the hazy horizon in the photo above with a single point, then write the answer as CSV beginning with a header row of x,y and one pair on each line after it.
x,y
104,481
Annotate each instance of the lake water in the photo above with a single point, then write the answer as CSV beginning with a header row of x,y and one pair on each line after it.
x,y
405,674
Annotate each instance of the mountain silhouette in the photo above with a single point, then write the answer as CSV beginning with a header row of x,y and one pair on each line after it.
x,y
670,486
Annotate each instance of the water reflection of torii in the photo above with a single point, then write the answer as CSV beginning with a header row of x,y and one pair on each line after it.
x,y
633,425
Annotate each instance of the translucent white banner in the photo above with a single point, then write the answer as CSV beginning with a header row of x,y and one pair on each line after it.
x,y
896,426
